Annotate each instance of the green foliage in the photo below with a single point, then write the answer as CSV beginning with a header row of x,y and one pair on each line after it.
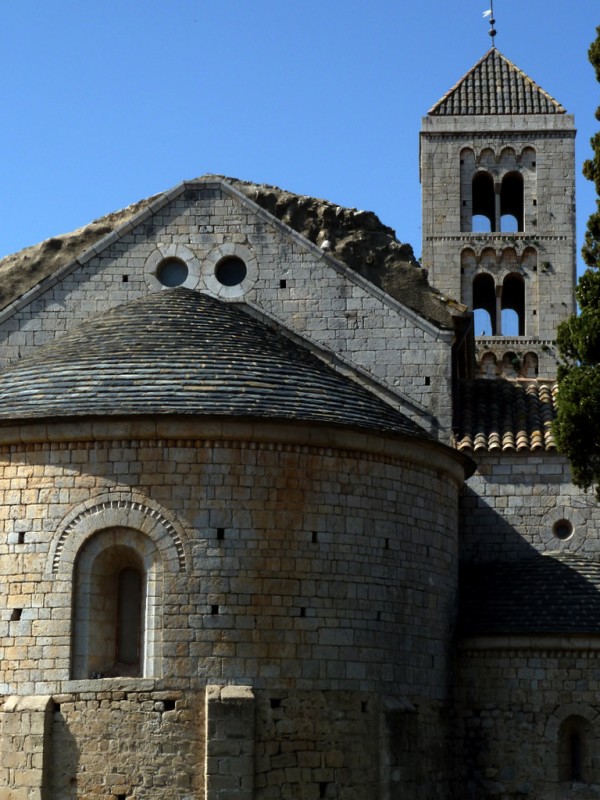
x,y
577,425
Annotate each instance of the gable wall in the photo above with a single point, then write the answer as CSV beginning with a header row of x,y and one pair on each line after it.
x,y
349,318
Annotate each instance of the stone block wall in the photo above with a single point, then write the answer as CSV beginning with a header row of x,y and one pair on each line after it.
x,y
315,566
510,508
519,702
321,578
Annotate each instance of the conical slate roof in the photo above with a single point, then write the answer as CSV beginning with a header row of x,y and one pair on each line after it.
x,y
495,86
181,352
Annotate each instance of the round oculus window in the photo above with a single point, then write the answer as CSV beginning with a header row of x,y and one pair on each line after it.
x,y
230,271
172,272
562,529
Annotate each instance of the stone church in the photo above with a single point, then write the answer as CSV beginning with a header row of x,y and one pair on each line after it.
x,y
277,521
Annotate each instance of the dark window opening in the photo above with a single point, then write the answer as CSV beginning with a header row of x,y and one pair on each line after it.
x,y
575,757
574,760
16,614
129,617
231,271
172,272
21,538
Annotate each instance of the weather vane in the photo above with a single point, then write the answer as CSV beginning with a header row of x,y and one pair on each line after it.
x,y
490,13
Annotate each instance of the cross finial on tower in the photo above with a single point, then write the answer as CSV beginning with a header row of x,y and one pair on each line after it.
x,y
490,13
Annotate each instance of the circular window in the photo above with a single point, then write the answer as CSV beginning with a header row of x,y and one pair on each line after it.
x,y
172,272
562,529
230,271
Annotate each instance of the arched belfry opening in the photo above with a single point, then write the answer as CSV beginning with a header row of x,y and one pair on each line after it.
x,y
513,305
484,304
511,203
483,203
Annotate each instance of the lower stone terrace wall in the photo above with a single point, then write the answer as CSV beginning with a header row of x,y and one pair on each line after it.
x,y
221,743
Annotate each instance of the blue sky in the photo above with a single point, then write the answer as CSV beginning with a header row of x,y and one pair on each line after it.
x,y
106,103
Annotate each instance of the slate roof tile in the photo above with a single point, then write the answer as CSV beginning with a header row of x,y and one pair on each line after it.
x,y
495,86
181,352
544,593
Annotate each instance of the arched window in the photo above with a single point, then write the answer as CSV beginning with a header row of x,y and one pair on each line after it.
x,y
484,304
489,366
483,203
114,628
574,750
511,203
530,365
513,300
511,365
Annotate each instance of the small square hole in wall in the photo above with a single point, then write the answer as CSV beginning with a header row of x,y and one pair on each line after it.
x,y
315,537
21,538
220,534
283,283
275,702
386,544
534,312
427,381
535,202
214,610
16,614
125,278
169,705
364,707
302,611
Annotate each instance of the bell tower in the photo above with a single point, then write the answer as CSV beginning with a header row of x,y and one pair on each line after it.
x,y
497,170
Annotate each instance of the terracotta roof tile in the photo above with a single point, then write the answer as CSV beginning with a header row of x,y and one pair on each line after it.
x,y
503,415
495,86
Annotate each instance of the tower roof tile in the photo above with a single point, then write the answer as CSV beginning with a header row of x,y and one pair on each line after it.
x,y
495,86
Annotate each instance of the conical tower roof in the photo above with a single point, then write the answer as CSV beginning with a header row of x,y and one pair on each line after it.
x,y
495,86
